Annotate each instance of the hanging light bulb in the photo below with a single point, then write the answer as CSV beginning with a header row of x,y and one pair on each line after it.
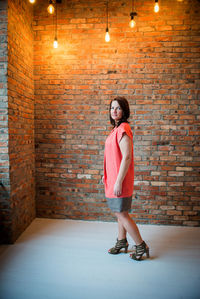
x,y
32,1
107,36
156,6
55,43
132,22
50,8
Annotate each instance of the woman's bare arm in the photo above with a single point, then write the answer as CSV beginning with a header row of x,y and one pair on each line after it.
x,y
126,150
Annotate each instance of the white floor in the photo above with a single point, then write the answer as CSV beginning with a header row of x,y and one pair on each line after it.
x,y
66,259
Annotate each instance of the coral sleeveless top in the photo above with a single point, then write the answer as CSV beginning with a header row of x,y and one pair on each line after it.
x,y
112,161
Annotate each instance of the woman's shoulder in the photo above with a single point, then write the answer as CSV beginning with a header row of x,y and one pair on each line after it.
x,y
124,126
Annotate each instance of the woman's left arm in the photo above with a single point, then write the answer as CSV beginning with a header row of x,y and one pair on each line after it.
x,y
125,145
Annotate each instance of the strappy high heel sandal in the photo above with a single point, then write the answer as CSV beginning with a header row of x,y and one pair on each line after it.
x,y
140,250
118,246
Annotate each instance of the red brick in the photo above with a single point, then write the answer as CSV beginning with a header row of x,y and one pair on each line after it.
x,y
20,121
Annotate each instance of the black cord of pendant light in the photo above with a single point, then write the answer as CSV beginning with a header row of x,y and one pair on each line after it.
x,y
56,20
107,15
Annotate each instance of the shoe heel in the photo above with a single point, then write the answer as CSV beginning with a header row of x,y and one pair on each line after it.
x,y
126,249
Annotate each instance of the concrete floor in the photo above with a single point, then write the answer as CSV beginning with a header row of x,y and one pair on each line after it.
x,y
66,259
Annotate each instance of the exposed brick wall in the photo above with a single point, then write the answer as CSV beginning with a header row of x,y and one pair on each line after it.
x,y
20,89
5,209
156,68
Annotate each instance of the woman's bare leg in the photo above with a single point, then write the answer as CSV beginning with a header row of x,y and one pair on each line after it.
x,y
121,231
130,226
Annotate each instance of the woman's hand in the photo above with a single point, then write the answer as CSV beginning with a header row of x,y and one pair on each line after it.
x,y
117,189
102,180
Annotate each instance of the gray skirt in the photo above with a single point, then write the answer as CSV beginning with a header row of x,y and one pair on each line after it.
x,y
120,204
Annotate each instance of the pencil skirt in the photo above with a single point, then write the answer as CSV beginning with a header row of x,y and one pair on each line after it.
x,y
119,204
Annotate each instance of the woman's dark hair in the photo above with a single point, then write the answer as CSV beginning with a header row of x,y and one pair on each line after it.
x,y
123,103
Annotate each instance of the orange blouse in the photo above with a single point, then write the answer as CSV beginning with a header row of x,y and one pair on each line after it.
x,y
112,161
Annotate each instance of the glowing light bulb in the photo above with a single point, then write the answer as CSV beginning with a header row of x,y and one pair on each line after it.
x,y
107,36
55,43
132,23
32,1
156,6
50,8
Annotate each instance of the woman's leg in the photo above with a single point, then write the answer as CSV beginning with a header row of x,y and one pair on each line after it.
x,y
121,231
121,240
125,221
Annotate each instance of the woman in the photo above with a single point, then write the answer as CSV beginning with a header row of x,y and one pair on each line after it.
x,y
119,177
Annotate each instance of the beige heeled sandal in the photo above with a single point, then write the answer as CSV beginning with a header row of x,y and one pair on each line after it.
x,y
140,250
118,246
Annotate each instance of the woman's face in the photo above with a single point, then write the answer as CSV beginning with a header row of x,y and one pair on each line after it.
x,y
116,111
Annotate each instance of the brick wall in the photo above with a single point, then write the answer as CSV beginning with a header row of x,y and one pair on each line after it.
x,y
156,67
5,210
20,121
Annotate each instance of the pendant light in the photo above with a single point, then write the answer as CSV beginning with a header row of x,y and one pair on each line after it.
x,y
107,35
32,1
156,6
55,42
50,8
132,22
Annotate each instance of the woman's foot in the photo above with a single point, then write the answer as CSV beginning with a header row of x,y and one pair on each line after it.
x,y
118,246
140,250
